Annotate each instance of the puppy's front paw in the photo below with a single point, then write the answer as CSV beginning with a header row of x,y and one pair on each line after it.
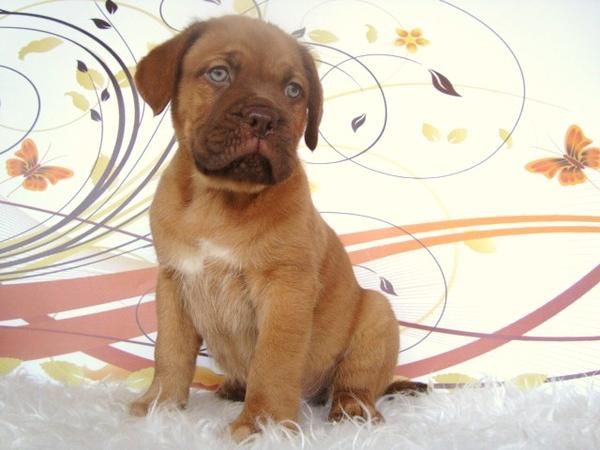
x,y
243,427
157,396
139,408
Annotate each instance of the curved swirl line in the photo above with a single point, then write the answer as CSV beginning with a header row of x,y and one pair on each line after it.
x,y
100,186
37,114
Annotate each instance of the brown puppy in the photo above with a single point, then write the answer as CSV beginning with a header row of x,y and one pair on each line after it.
x,y
247,265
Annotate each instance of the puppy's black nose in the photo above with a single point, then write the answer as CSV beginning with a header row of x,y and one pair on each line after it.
x,y
261,119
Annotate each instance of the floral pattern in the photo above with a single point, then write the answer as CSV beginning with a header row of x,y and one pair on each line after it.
x,y
412,39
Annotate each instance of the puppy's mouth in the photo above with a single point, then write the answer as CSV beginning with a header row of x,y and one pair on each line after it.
x,y
250,164
254,168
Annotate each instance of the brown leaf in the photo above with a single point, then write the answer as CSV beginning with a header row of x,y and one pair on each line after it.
x,y
442,84
102,24
95,115
386,286
111,6
358,122
299,33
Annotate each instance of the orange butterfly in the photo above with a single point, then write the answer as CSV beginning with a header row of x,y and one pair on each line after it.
x,y
571,165
36,175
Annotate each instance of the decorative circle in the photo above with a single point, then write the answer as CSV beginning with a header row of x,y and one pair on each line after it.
x,y
386,277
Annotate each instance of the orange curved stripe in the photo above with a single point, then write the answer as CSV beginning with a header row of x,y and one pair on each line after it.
x,y
369,254
383,233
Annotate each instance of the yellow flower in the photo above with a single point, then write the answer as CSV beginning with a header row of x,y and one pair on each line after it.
x,y
411,39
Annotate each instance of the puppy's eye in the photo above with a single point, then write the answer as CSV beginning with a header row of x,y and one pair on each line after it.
x,y
219,75
293,90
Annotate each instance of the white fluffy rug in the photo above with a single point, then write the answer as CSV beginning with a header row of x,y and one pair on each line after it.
x,y
93,416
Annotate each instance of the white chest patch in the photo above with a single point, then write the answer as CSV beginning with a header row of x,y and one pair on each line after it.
x,y
193,262
216,297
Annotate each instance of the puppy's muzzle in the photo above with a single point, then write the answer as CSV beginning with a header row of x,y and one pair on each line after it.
x,y
245,145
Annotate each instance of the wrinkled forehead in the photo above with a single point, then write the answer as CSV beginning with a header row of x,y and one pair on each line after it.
x,y
246,44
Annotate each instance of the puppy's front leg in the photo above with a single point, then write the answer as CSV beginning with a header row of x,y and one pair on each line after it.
x,y
284,313
177,345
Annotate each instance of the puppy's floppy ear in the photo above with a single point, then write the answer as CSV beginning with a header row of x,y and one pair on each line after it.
x,y
157,73
315,100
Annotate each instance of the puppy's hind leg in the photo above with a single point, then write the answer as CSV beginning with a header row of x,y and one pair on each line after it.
x,y
368,364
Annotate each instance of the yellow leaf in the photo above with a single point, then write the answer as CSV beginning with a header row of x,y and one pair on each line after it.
x,y
322,36
79,101
371,33
529,380
484,245
431,132
245,7
314,187
40,46
457,136
7,365
506,137
151,45
107,372
207,377
91,79
122,79
99,168
141,379
65,372
454,378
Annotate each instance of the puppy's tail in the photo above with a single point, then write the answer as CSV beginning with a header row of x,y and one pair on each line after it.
x,y
406,387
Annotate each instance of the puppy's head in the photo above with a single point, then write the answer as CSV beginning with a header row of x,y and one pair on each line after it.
x,y
243,92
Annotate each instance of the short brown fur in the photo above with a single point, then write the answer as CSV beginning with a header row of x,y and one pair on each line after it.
x,y
247,264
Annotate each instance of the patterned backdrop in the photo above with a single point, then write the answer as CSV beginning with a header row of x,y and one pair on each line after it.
x,y
455,161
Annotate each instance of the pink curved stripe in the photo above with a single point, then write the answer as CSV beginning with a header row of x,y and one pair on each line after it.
x,y
31,300
50,337
496,336
518,328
